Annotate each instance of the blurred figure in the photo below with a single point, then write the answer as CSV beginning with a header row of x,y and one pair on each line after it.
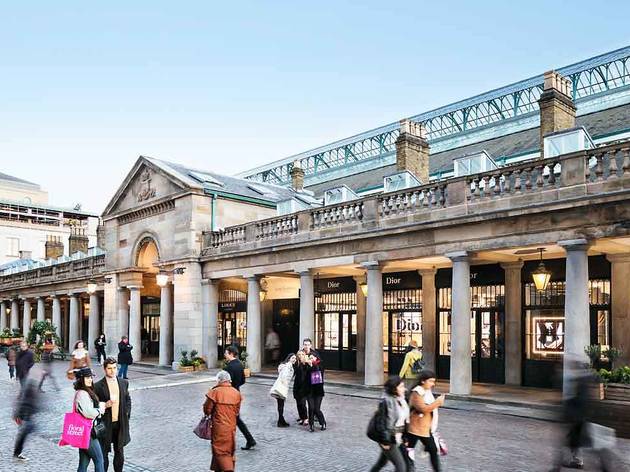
x,y
11,361
223,403
47,370
272,345
99,345
24,360
144,341
27,406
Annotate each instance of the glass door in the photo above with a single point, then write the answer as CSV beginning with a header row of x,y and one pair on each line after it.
x,y
337,339
488,347
405,326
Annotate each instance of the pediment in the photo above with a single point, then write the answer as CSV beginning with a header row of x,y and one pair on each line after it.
x,y
144,184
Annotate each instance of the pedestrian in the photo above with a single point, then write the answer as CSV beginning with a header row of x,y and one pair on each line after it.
x,y
87,404
223,403
397,415
300,387
144,341
80,359
314,391
423,419
237,376
27,406
99,345
280,388
11,361
116,417
307,347
412,365
24,360
125,359
47,370
272,345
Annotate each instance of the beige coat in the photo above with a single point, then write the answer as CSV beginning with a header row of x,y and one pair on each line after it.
x,y
421,415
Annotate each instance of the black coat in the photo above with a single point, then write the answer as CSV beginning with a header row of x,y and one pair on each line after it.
x,y
314,390
300,385
23,363
100,344
235,368
124,412
124,353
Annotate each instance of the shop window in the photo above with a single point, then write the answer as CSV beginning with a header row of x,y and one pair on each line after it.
x,y
336,321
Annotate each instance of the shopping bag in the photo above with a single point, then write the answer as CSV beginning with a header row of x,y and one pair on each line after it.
x,y
316,377
204,428
76,431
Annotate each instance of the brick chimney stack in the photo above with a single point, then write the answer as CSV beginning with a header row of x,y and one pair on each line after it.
x,y
557,110
78,240
53,247
412,150
297,177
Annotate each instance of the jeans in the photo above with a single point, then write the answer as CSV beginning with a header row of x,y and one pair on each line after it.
x,y
314,409
12,371
122,370
100,355
26,428
393,455
429,446
94,453
119,453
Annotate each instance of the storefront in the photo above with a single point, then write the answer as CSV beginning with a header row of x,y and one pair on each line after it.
x,y
487,322
286,322
543,319
232,320
402,316
336,322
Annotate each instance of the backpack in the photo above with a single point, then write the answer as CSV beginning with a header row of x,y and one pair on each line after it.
x,y
377,427
417,366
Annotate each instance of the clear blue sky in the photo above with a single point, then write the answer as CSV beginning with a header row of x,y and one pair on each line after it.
x,y
225,86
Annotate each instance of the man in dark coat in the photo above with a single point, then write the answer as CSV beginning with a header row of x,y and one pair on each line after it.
x,y
235,369
23,362
116,418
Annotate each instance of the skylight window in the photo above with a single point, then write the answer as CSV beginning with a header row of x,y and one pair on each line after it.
x,y
205,178
262,190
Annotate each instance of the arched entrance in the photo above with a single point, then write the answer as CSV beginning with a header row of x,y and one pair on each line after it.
x,y
147,255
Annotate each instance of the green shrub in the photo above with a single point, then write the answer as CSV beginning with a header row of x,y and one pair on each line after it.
x,y
620,375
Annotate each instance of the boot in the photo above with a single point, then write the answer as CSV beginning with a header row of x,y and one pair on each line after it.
x,y
282,423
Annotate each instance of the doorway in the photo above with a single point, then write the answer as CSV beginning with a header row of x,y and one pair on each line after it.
x,y
150,334
286,322
401,327
337,339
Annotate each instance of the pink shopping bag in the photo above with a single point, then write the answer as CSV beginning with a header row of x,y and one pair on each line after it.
x,y
76,430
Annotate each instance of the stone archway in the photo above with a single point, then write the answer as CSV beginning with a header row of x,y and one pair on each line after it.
x,y
147,253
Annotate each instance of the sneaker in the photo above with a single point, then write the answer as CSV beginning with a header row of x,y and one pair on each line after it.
x,y
21,457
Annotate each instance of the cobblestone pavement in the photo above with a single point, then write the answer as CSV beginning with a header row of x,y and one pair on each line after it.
x,y
163,418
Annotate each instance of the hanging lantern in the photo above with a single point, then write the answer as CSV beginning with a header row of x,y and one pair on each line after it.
x,y
541,275
91,286
364,288
162,278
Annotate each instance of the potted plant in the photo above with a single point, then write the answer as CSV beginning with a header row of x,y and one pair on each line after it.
x,y
43,337
185,363
246,370
617,382
198,362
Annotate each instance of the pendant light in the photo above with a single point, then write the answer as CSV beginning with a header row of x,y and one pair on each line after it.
x,y
541,275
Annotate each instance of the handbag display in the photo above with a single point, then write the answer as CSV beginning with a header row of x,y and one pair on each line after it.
x,y
204,429
77,429
317,377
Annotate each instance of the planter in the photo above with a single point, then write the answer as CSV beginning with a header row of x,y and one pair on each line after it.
x,y
200,367
618,392
188,368
247,372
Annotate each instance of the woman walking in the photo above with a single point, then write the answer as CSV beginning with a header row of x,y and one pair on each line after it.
x,y
222,404
423,421
125,359
87,405
315,391
280,388
99,345
397,414
300,387
80,359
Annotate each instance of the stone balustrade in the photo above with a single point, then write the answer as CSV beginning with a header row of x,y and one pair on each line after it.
x,y
582,174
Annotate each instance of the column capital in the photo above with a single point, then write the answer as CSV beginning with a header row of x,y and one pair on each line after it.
x,y
73,294
359,278
254,278
618,257
133,288
427,272
304,272
371,265
210,281
574,244
458,256
515,265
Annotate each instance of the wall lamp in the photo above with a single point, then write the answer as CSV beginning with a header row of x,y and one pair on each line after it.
x,y
162,276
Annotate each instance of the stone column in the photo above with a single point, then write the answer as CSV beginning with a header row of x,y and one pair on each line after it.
x,y
123,312
187,329
26,319
254,324
3,315
577,326
361,302
74,320
210,292
166,325
41,309
620,295
513,323
94,322
135,322
429,317
111,322
56,315
15,320
307,306
461,361
374,365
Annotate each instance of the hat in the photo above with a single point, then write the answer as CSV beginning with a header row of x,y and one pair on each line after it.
x,y
83,372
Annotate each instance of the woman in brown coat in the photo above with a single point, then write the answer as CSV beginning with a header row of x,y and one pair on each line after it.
x,y
80,359
223,403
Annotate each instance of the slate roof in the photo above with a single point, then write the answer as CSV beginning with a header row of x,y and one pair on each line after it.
x,y
598,124
10,178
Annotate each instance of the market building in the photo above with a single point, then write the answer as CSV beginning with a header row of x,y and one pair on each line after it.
x,y
432,229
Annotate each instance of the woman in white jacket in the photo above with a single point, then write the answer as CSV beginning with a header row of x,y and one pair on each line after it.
x,y
280,388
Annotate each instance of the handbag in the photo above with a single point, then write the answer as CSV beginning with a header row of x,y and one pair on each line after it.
x,y
440,443
204,429
317,377
77,429
98,428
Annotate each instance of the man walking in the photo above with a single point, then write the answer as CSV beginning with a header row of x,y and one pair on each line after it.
x,y
27,406
116,418
23,362
235,369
